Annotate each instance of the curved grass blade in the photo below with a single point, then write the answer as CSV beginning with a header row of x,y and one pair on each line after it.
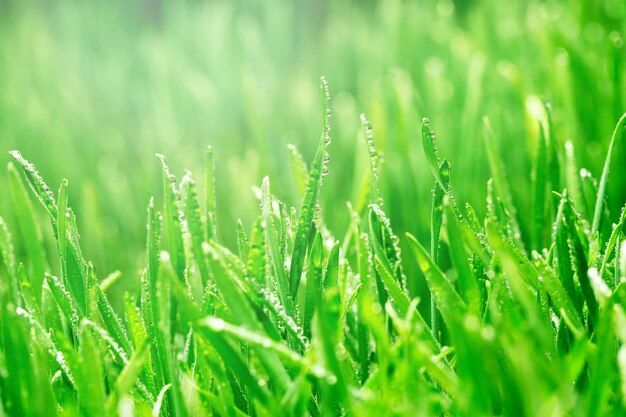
x,y
400,298
212,330
430,151
112,321
562,302
275,253
150,308
253,338
385,244
127,379
38,185
243,244
67,304
172,220
195,225
604,178
29,230
310,202
449,303
242,312
374,161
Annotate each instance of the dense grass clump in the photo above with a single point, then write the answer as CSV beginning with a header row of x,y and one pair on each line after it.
x,y
297,322
486,283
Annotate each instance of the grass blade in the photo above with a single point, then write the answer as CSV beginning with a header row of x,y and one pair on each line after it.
x,y
310,202
29,230
449,303
604,178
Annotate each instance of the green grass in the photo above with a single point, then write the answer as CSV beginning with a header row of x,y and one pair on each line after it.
x,y
298,323
474,271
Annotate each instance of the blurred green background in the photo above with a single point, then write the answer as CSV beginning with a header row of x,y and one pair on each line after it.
x,y
90,91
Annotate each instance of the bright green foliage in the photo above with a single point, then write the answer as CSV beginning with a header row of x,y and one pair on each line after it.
x,y
305,307
218,333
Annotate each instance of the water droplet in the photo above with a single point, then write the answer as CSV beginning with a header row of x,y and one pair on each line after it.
x,y
425,121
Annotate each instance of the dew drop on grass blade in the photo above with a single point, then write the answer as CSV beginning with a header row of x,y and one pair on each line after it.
x,y
195,225
243,312
150,308
38,185
430,151
310,202
212,330
66,303
243,244
73,265
374,161
385,243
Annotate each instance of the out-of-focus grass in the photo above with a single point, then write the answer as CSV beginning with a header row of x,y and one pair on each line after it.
x,y
89,91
